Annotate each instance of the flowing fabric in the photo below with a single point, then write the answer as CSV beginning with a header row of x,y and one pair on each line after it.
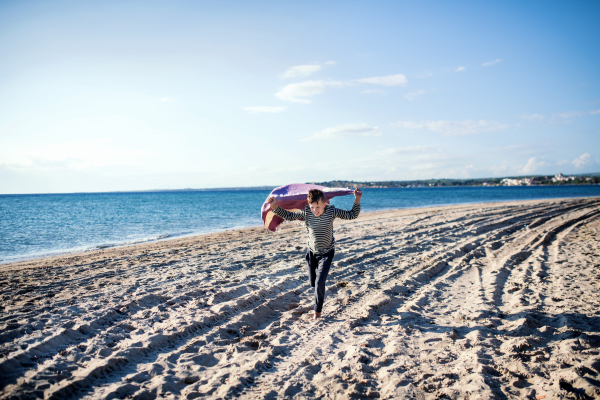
x,y
293,198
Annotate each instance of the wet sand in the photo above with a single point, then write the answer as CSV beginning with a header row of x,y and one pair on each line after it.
x,y
497,300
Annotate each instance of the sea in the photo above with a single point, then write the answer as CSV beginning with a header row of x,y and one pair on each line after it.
x,y
39,225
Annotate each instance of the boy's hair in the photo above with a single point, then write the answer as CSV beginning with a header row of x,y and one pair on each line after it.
x,y
314,195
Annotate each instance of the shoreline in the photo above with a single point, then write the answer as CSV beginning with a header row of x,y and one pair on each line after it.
x,y
76,252
260,188
485,300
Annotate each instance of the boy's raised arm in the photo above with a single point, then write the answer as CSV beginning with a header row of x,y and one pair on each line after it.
x,y
287,215
353,213
272,202
357,196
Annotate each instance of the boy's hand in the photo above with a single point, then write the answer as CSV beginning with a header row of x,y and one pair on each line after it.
x,y
357,195
272,202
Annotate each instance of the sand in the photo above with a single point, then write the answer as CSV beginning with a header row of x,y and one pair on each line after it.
x,y
498,300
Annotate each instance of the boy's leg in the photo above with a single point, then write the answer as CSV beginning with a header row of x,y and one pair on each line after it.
x,y
311,263
322,272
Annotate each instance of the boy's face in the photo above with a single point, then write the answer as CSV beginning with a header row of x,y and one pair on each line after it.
x,y
317,208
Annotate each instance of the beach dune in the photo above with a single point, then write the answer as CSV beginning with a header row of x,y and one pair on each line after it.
x,y
478,301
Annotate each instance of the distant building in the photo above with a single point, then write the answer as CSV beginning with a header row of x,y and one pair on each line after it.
x,y
517,182
562,178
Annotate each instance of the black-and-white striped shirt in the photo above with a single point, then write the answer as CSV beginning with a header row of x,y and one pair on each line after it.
x,y
319,229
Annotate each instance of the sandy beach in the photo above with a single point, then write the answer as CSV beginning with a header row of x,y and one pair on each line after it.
x,y
479,301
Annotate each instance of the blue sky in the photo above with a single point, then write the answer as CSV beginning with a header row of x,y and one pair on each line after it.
x,y
132,95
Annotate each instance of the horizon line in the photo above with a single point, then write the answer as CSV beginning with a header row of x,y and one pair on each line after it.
x,y
266,187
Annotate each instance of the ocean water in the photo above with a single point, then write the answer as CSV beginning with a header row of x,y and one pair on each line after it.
x,y
45,224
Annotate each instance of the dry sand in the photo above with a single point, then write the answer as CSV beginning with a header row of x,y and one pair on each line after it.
x,y
474,301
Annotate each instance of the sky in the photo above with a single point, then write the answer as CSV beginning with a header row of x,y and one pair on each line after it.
x,y
139,95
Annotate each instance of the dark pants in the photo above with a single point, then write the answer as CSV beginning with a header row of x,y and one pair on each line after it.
x,y
318,269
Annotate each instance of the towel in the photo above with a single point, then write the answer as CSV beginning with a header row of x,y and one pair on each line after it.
x,y
293,198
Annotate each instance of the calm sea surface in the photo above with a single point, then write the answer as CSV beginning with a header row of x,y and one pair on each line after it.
x,y
45,224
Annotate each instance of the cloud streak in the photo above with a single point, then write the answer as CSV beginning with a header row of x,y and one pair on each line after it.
x,y
298,92
405,150
533,117
569,114
490,63
342,131
369,91
566,116
574,114
390,80
301,71
455,128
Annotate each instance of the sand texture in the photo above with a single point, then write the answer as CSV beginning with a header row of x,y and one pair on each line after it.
x,y
476,301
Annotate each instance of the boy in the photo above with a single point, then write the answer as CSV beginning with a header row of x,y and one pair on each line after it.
x,y
318,218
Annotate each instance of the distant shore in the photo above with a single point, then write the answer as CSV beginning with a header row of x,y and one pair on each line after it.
x,y
537,180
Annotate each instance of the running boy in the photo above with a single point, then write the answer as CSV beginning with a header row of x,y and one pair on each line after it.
x,y
318,218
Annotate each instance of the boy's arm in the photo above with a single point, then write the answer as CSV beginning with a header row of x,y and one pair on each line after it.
x,y
353,213
285,214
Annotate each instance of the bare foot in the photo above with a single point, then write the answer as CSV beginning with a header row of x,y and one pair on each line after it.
x,y
317,315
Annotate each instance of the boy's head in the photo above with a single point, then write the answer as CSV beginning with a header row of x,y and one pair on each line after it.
x,y
316,201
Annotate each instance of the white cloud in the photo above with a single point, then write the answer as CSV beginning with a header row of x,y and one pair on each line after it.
x,y
297,91
413,95
369,91
555,121
569,114
301,71
490,63
532,165
405,150
346,130
257,110
390,80
166,99
455,128
410,125
582,160
460,69
565,117
562,162
533,117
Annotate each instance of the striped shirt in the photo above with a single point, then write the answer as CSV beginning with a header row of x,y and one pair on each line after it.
x,y
319,229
